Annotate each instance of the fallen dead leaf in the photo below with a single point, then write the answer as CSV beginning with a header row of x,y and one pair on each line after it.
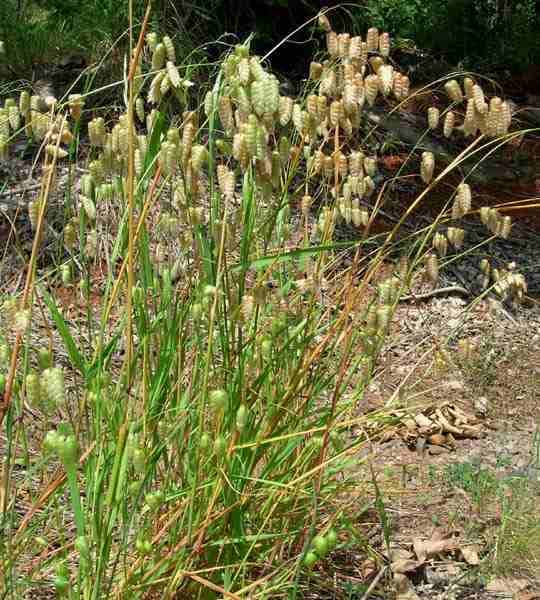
x,y
505,584
470,554
404,565
427,548
404,588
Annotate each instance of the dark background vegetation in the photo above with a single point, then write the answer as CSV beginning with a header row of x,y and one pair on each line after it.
x,y
496,36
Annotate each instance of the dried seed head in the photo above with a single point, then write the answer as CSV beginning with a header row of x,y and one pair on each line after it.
x,y
344,44
159,56
33,213
376,63
324,23
384,316
369,186
440,243
432,268
169,47
315,71
456,236
285,110
88,206
226,114
485,267
427,166
370,165
453,90
356,162
386,78
479,99
372,39
468,86
462,201
484,214
504,227
449,122
433,115
337,112
52,381
470,125
332,43
384,44
371,86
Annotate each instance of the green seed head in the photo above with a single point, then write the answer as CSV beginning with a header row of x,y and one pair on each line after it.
x,y
310,559
218,399
332,538
320,545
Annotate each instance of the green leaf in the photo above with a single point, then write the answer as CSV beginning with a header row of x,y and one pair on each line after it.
x,y
74,354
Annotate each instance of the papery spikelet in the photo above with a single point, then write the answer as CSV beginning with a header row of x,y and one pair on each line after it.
x,y
33,213
384,44
341,162
240,147
469,123
484,214
322,108
372,39
151,40
427,166
356,164
164,86
494,220
32,386
70,236
324,23
455,236
244,71
76,104
376,63
332,43
440,243
155,91
53,385
433,115
257,70
271,94
4,146
479,99
21,321
4,123
88,206
384,316
315,71
369,186
344,44
14,118
468,86
462,201
350,98
169,48
226,114
55,151
504,227
139,109
159,56
449,122
453,90
432,268
371,86
209,102
285,110
386,78
337,112
90,248
24,103
328,83
174,75
355,48
370,165
506,117
199,156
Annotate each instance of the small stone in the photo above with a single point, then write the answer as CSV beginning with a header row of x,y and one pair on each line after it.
x,y
436,450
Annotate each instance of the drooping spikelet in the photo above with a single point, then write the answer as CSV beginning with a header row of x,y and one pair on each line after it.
x,y
453,89
433,115
372,39
449,122
427,166
462,201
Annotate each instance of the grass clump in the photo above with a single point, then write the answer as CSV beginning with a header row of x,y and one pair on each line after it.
x,y
199,411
